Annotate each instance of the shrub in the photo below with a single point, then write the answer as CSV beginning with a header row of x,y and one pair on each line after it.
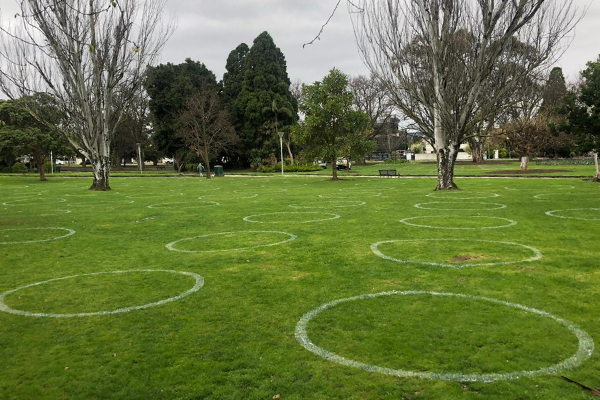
x,y
416,148
6,170
19,168
271,160
289,168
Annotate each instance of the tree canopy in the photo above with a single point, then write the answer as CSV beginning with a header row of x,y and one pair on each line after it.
x,y
265,81
169,86
332,127
582,108
21,134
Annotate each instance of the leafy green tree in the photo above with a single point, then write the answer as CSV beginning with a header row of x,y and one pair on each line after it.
x,y
332,127
22,134
582,109
265,80
169,86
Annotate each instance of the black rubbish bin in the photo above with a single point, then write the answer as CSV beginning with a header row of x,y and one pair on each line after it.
x,y
219,170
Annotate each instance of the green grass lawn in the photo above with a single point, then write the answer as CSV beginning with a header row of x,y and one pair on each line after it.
x,y
298,288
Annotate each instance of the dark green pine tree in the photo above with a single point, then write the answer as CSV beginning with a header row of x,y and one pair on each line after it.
x,y
234,77
169,86
554,91
265,80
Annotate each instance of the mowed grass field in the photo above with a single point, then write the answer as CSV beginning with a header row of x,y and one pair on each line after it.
x,y
298,288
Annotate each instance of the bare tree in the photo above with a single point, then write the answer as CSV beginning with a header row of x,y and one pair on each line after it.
x,y
205,126
370,97
91,55
464,47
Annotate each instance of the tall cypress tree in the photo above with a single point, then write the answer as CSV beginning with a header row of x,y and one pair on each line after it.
x,y
234,77
265,80
554,91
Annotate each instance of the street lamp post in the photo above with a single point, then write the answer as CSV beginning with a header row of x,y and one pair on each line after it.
x,y
281,148
139,156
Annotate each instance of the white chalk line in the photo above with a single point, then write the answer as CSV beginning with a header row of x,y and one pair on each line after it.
x,y
69,233
496,206
175,205
510,223
564,195
103,204
536,253
171,247
27,202
5,308
55,212
335,204
551,214
251,218
329,196
477,195
584,351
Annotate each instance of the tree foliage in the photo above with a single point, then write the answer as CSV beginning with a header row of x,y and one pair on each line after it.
x,y
91,56
265,80
205,127
23,135
332,127
234,76
169,86
582,108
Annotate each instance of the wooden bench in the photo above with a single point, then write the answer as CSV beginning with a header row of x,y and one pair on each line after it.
x,y
388,173
161,167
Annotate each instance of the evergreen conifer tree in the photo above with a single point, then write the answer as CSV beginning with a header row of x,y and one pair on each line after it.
x,y
265,80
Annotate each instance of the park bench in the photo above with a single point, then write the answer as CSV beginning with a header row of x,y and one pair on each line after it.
x,y
160,167
388,172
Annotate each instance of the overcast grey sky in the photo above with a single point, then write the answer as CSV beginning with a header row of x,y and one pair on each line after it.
x,y
208,30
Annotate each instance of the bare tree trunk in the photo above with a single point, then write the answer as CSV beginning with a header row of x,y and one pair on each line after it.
x,y
289,149
597,177
477,149
39,159
334,168
446,158
206,159
101,168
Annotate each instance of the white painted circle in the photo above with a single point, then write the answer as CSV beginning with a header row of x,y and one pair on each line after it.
x,y
494,206
510,223
27,202
584,351
199,283
102,204
536,253
55,212
348,195
144,197
187,205
171,245
476,195
252,218
69,233
334,204
552,214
